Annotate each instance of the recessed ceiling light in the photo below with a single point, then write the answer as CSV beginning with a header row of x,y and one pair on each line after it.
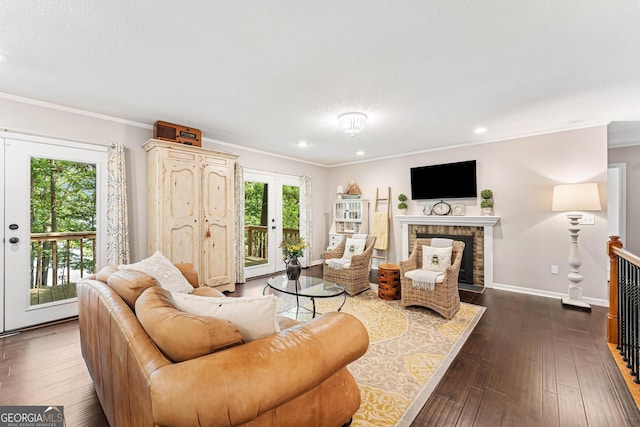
x,y
303,144
360,153
3,57
480,130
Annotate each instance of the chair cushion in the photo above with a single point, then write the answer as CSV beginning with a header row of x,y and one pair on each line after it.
x,y
353,247
255,317
338,263
411,273
163,270
436,259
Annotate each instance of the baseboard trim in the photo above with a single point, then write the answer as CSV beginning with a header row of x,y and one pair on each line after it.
x,y
548,294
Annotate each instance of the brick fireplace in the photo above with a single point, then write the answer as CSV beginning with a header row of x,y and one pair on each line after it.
x,y
472,266
478,229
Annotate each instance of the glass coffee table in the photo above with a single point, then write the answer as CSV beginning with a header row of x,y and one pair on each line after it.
x,y
306,286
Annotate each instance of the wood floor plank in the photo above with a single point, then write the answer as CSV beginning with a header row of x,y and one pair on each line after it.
x,y
571,411
470,408
619,385
566,373
483,374
528,361
457,387
491,409
601,403
548,364
550,411
440,412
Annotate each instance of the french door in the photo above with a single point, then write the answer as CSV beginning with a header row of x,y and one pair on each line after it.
x,y
272,212
53,222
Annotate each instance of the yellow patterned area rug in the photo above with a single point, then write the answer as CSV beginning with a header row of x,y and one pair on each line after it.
x,y
410,350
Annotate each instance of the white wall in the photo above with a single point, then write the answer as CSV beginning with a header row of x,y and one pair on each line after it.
x,y
260,161
631,157
529,237
521,173
39,119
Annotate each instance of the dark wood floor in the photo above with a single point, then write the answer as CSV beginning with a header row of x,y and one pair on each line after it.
x,y
529,362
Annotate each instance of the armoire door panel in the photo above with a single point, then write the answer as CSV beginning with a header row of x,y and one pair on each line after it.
x,y
215,253
183,184
183,245
191,212
215,193
215,196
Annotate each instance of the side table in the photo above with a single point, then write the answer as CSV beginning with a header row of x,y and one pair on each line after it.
x,y
389,281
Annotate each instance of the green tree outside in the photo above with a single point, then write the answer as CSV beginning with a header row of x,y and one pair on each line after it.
x,y
63,199
256,205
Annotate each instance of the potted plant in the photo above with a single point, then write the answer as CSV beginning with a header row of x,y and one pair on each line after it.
x,y
486,205
403,202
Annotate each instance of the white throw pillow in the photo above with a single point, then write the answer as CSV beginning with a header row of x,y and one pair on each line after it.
x,y
436,259
353,247
255,317
162,269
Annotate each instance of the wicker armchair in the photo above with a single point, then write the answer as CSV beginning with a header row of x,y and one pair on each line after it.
x,y
444,299
355,279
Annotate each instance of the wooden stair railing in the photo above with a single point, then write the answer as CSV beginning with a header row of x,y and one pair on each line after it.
x,y
623,327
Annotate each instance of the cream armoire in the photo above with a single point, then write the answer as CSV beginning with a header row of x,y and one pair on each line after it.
x,y
191,211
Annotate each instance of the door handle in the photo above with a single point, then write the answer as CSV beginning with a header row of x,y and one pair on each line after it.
x,y
14,240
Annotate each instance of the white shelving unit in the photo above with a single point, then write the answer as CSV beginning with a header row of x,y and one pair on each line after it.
x,y
349,216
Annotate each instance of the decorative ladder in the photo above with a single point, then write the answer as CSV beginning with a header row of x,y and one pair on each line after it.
x,y
381,250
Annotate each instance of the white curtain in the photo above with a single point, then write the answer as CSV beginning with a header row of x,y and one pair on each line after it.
x,y
306,229
239,223
117,221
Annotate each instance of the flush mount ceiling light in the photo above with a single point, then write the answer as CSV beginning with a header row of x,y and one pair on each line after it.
x,y
352,123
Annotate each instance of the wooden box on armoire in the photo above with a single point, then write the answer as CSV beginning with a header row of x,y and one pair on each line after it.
x,y
177,133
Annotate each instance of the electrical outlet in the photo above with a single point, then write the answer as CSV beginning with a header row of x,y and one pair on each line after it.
x,y
587,219
554,269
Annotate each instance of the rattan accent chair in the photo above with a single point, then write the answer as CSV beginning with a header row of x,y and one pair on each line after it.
x,y
444,299
354,279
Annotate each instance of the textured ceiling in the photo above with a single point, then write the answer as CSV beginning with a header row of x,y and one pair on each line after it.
x,y
267,74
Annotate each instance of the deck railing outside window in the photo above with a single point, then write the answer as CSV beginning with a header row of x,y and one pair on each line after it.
x,y
256,239
56,257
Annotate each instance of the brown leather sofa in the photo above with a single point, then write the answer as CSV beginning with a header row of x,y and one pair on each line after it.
x,y
297,377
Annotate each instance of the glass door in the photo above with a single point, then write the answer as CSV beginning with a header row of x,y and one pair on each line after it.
x,y
272,213
53,195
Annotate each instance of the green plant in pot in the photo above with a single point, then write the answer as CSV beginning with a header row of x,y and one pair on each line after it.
x,y
486,205
403,202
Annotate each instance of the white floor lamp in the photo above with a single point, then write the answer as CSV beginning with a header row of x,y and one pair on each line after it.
x,y
573,198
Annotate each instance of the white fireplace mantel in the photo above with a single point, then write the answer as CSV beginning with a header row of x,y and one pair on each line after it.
x,y
487,222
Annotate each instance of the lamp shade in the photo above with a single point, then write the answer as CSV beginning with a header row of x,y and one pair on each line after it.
x,y
576,197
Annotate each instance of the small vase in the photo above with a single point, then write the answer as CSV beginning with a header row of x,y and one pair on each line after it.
x,y
293,269
486,211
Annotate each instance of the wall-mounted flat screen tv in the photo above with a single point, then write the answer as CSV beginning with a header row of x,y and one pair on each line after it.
x,y
444,181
